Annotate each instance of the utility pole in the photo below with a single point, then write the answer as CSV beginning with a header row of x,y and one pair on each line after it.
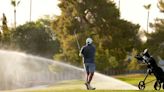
x,y
147,7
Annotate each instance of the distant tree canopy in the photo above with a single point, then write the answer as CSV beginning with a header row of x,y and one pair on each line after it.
x,y
155,40
161,5
36,38
100,20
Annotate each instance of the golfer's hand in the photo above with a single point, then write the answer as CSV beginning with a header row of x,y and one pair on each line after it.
x,y
80,54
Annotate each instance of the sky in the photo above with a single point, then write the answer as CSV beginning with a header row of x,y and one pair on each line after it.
x,y
39,9
131,10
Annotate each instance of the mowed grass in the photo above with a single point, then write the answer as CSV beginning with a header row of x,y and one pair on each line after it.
x,y
134,79
78,85
90,91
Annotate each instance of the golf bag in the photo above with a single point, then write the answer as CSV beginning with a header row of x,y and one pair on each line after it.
x,y
153,68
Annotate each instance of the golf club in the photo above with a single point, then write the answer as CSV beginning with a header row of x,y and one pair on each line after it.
x,y
78,45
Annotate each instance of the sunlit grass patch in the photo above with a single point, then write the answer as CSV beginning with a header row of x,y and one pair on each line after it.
x,y
134,79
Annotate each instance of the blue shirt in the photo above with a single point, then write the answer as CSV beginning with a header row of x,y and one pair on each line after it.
x,y
88,52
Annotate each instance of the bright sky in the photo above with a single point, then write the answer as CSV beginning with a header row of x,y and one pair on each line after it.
x,y
131,10
39,9
134,11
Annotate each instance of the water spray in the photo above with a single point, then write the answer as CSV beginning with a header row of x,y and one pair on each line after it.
x,y
28,71
25,71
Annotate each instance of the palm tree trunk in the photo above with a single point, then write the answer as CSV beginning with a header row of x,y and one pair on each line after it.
x,y
148,21
14,18
30,9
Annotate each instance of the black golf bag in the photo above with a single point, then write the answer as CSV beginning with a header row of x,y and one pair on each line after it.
x,y
153,68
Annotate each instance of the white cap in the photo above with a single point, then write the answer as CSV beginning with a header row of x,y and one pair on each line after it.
x,y
89,41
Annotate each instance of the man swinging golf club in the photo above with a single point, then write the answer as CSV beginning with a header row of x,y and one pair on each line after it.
x,y
88,54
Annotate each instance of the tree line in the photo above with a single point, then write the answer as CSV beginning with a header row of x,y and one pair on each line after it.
x,y
117,40
35,38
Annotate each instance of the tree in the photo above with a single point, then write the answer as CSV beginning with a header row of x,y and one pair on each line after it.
x,y
161,5
155,40
100,20
36,38
5,33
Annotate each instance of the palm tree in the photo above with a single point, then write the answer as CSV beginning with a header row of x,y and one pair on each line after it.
x,y
14,3
30,9
147,7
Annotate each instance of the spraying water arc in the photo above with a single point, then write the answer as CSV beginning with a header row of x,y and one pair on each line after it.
x,y
19,70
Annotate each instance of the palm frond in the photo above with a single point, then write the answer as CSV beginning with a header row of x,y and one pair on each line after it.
x,y
18,2
13,2
147,6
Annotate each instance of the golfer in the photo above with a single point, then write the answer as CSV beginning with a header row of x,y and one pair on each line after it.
x,y
88,54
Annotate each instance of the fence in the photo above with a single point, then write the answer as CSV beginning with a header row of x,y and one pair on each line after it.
x,y
119,71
